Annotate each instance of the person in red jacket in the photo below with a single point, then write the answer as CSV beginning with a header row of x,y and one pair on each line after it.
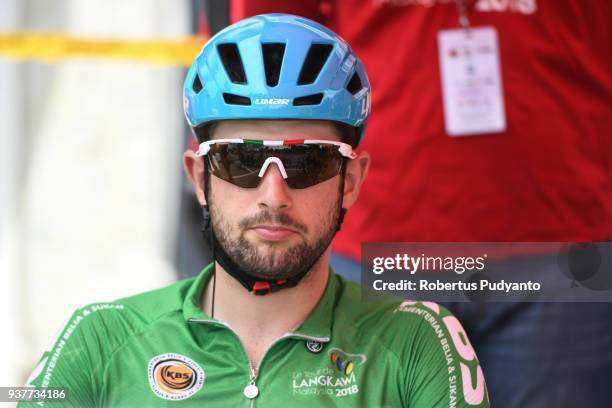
x,y
536,166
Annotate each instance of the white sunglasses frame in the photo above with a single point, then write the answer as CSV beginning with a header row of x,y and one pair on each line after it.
x,y
345,150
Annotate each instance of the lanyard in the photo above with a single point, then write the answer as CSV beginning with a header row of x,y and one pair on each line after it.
x,y
462,11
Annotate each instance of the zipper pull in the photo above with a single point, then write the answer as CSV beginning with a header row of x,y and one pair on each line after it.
x,y
251,391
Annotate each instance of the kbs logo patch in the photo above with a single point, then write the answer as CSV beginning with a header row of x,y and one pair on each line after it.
x,y
174,377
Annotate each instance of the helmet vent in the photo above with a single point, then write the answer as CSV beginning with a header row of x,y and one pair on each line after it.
x,y
354,84
315,59
230,57
313,99
197,84
273,60
232,99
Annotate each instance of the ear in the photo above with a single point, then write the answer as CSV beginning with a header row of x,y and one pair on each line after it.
x,y
194,169
356,171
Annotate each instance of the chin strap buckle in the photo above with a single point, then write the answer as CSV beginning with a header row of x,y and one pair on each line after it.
x,y
261,288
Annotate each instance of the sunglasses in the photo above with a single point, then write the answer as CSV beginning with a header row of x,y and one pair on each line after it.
x,y
302,163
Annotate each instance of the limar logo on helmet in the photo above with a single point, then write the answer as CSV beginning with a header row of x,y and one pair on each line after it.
x,y
366,104
174,377
271,101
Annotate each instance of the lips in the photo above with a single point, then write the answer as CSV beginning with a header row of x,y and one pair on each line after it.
x,y
273,232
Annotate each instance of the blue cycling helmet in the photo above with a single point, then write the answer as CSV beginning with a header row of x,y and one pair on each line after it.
x,y
277,66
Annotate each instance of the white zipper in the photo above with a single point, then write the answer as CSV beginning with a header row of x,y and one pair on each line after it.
x,y
254,371
253,378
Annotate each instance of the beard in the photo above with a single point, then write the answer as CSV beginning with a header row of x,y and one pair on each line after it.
x,y
272,260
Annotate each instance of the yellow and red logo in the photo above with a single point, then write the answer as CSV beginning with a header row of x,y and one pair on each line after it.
x,y
174,377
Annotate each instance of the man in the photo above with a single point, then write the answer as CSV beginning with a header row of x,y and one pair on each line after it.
x,y
278,103
547,177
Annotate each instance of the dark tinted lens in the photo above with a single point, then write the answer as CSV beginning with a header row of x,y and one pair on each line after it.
x,y
236,163
306,165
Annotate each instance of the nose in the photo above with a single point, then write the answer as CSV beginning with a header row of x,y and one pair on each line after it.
x,y
273,191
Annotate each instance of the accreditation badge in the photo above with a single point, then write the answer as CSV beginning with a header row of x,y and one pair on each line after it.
x,y
472,88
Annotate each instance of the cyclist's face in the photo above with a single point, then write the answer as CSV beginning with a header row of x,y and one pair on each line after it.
x,y
273,231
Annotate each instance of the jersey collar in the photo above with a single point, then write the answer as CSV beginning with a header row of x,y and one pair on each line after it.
x,y
317,325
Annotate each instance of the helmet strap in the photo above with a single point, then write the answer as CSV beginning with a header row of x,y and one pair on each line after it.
x,y
342,209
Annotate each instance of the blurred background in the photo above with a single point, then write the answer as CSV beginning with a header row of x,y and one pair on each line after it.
x,y
92,134
94,205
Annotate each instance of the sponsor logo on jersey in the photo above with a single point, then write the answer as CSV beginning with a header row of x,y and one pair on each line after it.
x,y
314,346
271,101
346,362
340,380
174,377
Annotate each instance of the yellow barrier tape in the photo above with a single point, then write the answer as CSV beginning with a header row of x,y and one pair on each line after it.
x,y
48,47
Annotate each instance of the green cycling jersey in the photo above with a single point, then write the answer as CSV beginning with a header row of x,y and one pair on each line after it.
x,y
160,349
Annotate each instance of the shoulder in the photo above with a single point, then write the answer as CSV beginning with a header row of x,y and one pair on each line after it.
x,y
110,324
152,305
94,332
386,314
429,343
399,324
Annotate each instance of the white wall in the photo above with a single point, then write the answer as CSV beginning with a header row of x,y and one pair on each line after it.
x,y
11,352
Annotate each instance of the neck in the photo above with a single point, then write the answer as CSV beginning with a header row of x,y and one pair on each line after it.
x,y
259,320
